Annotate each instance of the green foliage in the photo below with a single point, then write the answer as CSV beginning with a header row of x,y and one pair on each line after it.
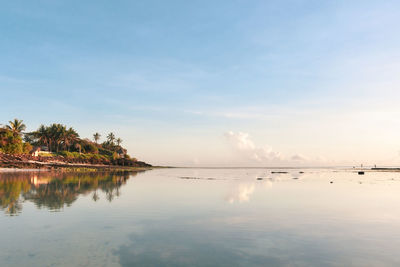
x,y
13,148
46,154
106,152
91,148
83,156
26,147
10,142
67,154
55,137
65,142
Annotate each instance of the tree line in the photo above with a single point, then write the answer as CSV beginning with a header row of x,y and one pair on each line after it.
x,y
55,138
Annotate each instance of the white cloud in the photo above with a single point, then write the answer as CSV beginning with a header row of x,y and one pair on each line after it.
x,y
246,148
243,144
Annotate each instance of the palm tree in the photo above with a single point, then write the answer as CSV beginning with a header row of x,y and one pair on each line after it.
x,y
69,137
79,147
57,132
43,136
111,138
119,141
96,137
16,126
56,136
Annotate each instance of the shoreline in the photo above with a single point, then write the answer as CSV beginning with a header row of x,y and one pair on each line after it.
x,y
14,163
37,166
85,168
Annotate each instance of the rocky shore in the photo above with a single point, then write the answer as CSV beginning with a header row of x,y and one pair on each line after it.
x,y
55,162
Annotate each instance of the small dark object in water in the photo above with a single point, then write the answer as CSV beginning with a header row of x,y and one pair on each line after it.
x,y
361,173
331,182
259,178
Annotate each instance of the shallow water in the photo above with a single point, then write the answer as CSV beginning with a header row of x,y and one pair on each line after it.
x,y
201,217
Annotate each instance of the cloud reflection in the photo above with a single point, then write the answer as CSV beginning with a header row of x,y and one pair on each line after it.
x,y
241,193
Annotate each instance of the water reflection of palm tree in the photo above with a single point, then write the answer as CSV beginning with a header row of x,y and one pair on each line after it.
x,y
95,196
58,190
10,190
110,194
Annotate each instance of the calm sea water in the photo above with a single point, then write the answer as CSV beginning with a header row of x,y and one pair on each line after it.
x,y
200,217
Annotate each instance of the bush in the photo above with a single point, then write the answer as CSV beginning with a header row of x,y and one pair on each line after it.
x,y
69,155
90,148
93,158
13,148
106,152
11,144
26,147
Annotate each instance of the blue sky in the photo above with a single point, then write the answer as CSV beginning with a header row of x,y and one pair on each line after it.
x,y
210,82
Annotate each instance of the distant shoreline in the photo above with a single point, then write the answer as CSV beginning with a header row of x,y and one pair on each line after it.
x,y
386,169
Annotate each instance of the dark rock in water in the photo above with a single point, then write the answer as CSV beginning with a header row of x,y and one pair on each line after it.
x,y
259,178
361,173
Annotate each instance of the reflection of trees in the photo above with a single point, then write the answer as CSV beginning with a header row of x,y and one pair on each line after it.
x,y
10,190
95,196
56,190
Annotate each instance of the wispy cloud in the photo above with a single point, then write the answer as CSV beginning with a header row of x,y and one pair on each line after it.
x,y
299,157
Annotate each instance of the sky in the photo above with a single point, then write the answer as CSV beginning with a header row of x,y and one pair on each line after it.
x,y
211,83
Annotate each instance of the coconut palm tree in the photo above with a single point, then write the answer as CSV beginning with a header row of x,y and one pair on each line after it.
x,y
43,136
111,138
96,137
16,126
69,137
57,132
79,147
118,141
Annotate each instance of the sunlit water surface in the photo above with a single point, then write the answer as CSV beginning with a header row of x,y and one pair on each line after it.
x,y
201,217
